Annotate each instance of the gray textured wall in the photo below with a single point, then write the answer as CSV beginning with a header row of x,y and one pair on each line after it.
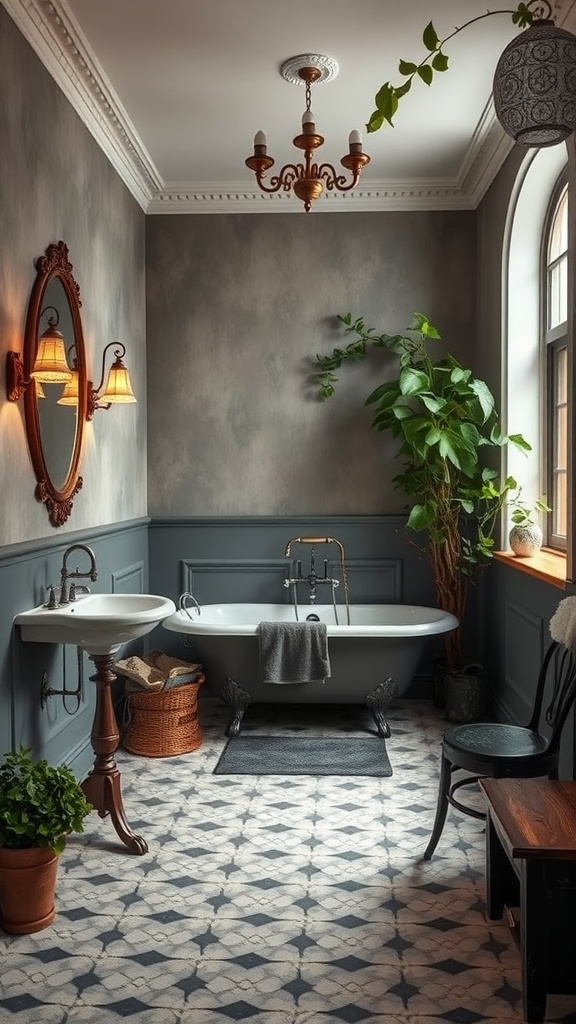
x,y
238,305
57,184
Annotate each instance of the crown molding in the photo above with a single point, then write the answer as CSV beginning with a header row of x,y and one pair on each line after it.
x,y
56,37
237,197
489,147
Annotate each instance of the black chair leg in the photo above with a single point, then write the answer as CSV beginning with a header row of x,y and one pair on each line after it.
x,y
441,807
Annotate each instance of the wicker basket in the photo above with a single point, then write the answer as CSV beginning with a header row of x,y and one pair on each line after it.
x,y
163,723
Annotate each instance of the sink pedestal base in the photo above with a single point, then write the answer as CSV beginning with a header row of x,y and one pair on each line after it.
x,y
102,787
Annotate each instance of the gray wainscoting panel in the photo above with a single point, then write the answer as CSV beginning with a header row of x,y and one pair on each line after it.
x,y
214,581
524,652
26,570
384,562
515,631
129,580
373,580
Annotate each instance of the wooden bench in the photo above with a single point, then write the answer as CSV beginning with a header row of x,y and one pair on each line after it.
x,y
531,865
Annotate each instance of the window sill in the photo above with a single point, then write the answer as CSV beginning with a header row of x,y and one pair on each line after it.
x,y
546,565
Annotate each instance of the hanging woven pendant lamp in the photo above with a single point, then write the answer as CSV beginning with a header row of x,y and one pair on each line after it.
x,y
535,85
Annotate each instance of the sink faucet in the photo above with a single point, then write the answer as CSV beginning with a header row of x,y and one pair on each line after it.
x,y
69,594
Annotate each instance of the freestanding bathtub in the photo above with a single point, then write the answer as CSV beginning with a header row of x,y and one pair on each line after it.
x,y
372,659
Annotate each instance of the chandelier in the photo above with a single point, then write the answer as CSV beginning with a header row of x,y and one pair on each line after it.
x,y
307,180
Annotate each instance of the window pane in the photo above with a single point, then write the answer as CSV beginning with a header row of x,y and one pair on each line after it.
x,y
559,231
559,505
555,286
562,438
559,453
558,293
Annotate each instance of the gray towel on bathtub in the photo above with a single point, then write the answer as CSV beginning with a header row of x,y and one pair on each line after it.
x,y
293,652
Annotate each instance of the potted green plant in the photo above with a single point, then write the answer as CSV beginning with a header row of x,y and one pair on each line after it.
x,y
525,536
446,423
39,806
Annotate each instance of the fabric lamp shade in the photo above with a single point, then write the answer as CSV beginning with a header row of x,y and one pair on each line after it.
x,y
118,388
50,365
69,394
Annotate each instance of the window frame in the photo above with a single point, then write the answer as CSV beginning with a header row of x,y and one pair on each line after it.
x,y
554,341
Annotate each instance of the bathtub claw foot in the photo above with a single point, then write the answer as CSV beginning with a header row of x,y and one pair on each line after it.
x,y
378,701
238,699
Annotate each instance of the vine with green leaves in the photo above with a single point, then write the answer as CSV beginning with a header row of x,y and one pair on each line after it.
x,y
436,60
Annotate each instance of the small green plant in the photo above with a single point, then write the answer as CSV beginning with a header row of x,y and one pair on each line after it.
x,y
388,96
446,423
524,515
39,804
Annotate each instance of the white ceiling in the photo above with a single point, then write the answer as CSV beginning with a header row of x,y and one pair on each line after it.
x,y
174,90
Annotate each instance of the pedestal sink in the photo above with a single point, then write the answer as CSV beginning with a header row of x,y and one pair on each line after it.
x,y
101,624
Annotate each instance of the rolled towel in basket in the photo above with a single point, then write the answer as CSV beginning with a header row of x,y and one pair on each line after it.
x,y
175,672
293,652
146,676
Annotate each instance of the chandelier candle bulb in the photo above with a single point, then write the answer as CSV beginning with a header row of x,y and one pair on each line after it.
x,y
355,139
260,144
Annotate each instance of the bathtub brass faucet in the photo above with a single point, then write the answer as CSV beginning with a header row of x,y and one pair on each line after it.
x,y
312,580
68,593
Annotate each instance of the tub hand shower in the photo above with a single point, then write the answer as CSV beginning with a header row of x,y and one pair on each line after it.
x,y
312,580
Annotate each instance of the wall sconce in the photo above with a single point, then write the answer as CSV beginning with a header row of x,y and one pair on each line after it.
x,y
50,365
118,388
69,394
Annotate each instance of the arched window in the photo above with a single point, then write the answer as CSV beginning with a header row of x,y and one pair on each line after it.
x,y
555,345
535,287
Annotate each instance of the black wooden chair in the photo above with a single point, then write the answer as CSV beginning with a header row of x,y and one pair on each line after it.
x,y
497,750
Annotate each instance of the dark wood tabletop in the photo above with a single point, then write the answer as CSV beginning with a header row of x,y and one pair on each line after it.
x,y
538,816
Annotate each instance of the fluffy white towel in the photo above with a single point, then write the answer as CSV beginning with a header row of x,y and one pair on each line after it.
x,y
563,624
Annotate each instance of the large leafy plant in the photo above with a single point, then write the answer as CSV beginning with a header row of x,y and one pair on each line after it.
x,y
39,804
446,423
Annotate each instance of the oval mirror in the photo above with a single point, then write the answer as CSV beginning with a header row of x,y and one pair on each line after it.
x,y
54,422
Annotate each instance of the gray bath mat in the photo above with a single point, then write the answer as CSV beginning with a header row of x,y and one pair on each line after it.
x,y
304,755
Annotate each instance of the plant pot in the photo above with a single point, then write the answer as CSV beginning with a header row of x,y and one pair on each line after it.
x,y
27,886
466,694
525,540
438,681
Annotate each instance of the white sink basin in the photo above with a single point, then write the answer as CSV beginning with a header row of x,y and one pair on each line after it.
x,y
99,623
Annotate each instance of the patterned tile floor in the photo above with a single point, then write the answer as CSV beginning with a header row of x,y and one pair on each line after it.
x,y
273,900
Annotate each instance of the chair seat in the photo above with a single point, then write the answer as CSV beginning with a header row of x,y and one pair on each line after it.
x,y
493,740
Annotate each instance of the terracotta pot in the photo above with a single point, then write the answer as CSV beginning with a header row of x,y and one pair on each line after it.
x,y
27,886
525,540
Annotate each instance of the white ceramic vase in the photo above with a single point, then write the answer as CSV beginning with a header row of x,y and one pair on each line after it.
x,y
525,540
